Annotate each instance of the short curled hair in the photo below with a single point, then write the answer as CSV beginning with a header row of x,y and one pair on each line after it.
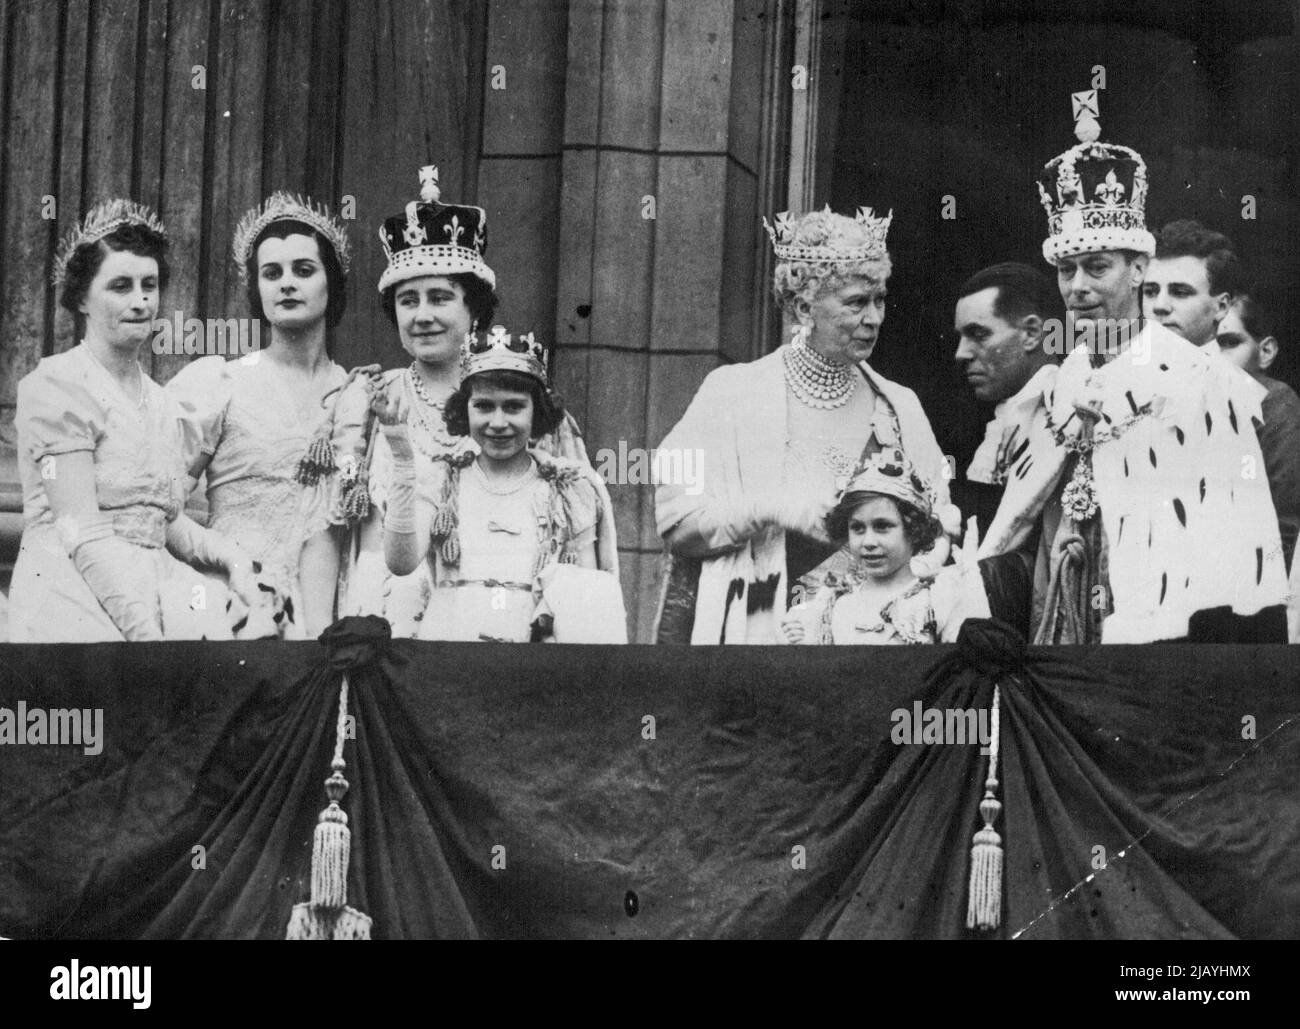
x,y
335,278
920,529
1189,238
548,406
480,298
85,261
799,280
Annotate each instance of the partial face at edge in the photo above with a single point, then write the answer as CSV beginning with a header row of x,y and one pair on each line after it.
x,y
1251,355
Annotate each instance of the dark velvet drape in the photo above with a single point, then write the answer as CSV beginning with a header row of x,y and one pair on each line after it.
x,y
468,758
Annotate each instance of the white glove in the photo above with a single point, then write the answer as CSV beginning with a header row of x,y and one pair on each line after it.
x,y
123,581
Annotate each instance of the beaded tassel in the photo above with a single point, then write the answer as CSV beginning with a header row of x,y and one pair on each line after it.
x,y
984,909
356,502
319,458
446,517
327,916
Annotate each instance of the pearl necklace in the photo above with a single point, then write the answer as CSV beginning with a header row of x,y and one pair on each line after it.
x,y
815,381
437,431
511,485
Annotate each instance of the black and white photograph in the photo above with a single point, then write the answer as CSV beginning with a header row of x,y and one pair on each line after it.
x,y
429,427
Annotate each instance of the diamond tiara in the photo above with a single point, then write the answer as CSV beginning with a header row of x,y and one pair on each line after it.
x,y
282,206
100,221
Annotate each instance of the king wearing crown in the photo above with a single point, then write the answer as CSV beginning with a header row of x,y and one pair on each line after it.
x,y
1162,536
776,434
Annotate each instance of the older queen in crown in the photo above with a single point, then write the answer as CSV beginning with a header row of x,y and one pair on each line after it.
x,y
777,433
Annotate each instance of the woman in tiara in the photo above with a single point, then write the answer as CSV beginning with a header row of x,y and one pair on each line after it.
x,y
511,537
438,291
99,451
778,432
258,427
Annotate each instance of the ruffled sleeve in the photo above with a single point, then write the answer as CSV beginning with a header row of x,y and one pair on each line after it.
x,y
202,391
56,415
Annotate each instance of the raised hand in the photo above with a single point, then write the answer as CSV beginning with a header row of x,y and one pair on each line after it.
x,y
793,629
389,407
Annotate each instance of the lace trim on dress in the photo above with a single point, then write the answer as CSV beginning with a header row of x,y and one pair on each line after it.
x,y
913,621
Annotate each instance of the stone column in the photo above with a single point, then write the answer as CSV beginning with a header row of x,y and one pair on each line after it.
x,y
665,174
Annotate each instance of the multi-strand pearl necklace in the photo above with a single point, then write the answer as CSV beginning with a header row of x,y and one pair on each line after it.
x,y
436,430
815,381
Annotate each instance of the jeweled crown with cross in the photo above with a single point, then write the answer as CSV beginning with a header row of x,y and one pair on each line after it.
x,y
499,351
1094,193
433,238
823,237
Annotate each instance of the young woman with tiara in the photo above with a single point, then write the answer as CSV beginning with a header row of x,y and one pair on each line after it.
x,y
259,427
438,291
510,538
100,456
883,520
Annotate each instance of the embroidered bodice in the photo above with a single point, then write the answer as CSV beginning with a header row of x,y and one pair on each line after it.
x,y
242,414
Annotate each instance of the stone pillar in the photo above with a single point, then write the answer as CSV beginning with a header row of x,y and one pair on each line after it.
x,y
661,255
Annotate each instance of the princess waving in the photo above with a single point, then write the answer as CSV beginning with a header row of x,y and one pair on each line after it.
x,y
883,517
510,536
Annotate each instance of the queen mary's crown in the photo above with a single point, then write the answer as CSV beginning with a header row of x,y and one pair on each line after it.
x,y
823,237
1095,193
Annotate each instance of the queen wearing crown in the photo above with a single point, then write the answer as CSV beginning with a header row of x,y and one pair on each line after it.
x,y
510,537
439,293
100,455
259,427
777,433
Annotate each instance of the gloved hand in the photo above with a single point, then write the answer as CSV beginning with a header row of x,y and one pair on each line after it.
x,y
123,578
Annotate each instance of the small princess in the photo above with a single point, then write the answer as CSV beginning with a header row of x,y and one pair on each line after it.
x,y
885,516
